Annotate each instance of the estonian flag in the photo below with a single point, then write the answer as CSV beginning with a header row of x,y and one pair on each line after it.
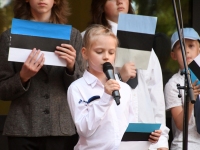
x,y
194,67
137,135
26,35
136,35
139,131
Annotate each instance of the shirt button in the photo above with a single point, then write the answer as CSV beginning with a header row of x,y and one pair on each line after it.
x,y
46,96
46,111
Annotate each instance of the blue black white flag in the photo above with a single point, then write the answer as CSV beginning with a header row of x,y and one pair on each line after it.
x,y
136,35
137,135
194,67
26,35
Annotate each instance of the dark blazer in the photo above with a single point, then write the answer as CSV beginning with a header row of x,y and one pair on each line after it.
x,y
40,108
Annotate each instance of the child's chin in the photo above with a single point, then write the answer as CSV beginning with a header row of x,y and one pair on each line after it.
x,y
188,62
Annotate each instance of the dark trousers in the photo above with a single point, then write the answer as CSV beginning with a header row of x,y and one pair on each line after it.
x,y
42,143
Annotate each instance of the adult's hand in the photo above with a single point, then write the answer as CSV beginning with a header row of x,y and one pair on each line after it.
x,y
32,65
68,53
128,71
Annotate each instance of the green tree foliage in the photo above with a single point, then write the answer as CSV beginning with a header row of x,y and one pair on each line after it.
x,y
6,15
166,25
163,9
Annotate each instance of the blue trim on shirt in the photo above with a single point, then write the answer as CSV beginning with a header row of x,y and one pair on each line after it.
x,y
93,98
89,100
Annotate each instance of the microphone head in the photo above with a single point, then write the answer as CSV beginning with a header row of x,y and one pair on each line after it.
x,y
107,66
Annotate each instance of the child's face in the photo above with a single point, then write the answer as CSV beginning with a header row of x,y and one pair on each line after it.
x,y
192,50
112,9
41,8
102,49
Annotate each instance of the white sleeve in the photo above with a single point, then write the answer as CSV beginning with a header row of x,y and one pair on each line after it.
x,y
87,117
155,86
133,108
171,95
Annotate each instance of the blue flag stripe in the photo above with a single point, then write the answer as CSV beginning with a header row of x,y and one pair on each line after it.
x,y
141,127
137,23
41,29
194,77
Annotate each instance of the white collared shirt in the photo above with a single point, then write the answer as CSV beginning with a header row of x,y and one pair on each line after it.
x,y
172,100
150,97
100,123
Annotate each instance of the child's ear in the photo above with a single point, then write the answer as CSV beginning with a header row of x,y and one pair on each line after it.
x,y
84,53
173,55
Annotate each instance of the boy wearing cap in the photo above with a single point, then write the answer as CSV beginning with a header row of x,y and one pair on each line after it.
x,y
173,102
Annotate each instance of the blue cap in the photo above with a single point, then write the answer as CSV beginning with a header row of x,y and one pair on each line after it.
x,y
189,33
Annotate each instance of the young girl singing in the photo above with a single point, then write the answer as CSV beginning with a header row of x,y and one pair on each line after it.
x,y
39,116
149,91
100,123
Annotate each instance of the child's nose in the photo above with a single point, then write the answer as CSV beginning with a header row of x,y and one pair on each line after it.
x,y
119,1
187,50
105,56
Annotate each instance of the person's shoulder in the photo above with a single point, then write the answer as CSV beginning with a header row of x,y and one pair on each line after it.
x,y
175,77
6,32
77,82
76,85
153,57
74,30
83,33
75,33
5,39
174,80
75,38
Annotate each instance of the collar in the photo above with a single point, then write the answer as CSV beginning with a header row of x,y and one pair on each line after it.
x,y
90,79
114,26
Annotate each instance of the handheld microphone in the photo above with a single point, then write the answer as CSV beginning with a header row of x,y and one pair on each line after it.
x,y
109,72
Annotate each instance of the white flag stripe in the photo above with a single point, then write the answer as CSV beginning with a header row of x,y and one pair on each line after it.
x,y
20,55
139,57
197,60
134,145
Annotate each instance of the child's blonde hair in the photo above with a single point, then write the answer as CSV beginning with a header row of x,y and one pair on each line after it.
x,y
59,12
95,30
91,34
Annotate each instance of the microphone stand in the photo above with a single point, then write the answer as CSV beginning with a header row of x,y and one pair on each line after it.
x,y
188,94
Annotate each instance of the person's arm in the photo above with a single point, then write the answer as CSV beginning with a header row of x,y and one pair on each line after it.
x,y
154,137
87,117
155,86
178,112
177,115
127,71
76,68
31,66
12,85
133,108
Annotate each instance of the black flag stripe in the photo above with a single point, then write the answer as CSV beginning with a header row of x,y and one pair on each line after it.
x,y
133,40
30,42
